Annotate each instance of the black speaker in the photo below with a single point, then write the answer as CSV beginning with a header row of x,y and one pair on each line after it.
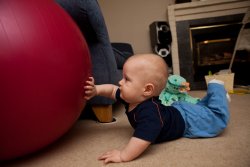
x,y
161,39
160,33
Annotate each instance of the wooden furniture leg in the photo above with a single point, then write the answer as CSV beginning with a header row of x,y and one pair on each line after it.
x,y
103,113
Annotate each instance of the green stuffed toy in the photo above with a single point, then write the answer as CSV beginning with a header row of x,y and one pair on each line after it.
x,y
176,90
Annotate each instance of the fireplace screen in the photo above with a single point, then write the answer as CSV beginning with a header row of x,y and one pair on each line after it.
x,y
214,52
212,47
207,45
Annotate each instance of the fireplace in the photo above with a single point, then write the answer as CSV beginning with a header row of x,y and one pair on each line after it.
x,y
204,35
206,45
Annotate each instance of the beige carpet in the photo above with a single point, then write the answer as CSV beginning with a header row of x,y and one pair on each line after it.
x,y
81,146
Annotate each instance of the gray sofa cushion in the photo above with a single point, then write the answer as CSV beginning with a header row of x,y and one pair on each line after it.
x,y
88,16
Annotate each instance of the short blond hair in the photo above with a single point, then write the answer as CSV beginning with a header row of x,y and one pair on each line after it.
x,y
153,68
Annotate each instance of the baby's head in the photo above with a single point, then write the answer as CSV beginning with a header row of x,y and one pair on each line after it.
x,y
148,69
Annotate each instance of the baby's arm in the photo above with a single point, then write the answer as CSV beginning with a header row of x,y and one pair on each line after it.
x,y
133,149
91,90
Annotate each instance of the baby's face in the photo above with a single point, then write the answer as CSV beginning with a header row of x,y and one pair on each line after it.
x,y
132,83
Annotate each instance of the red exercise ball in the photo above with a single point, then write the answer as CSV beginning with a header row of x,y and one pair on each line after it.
x,y
44,63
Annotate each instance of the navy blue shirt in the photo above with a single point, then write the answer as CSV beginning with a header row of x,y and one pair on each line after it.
x,y
153,121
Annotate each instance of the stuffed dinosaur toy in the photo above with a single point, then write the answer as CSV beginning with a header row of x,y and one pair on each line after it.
x,y
176,90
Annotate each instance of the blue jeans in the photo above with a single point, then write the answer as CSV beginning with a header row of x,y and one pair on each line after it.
x,y
209,117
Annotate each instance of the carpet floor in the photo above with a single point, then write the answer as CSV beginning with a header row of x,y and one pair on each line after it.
x,y
87,139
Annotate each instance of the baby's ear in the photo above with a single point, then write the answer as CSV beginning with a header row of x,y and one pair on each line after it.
x,y
149,89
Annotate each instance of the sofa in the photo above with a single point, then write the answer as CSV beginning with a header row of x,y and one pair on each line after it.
x,y
106,59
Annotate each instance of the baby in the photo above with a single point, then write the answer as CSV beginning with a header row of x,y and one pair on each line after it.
x,y
144,77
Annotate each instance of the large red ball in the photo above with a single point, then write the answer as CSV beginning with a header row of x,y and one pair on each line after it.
x,y
44,63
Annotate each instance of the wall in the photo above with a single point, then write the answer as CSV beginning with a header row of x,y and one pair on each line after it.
x,y
129,20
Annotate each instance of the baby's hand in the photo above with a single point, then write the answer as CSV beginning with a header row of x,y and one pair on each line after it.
x,y
111,156
90,88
